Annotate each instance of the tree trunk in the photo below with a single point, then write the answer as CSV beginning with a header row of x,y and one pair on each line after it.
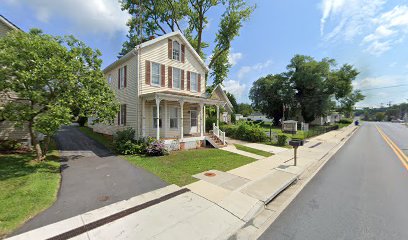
x,y
46,146
35,142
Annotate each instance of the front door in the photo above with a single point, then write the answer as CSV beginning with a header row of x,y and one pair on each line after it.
x,y
193,121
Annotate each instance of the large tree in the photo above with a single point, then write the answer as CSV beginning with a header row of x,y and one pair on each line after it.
x,y
348,102
45,77
309,86
319,83
273,95
158,17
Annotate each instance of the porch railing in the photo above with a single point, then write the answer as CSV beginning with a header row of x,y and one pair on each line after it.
x,y
220,134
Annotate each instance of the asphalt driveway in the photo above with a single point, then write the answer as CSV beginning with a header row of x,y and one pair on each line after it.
x,y
92,177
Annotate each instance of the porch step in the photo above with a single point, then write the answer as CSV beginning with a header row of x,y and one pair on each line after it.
x,y
215,142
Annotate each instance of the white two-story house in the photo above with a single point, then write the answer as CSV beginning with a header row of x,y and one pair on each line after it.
x,y
162,91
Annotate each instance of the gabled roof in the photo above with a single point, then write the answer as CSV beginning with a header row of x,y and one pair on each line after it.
x,y
153,41
219,89
8,23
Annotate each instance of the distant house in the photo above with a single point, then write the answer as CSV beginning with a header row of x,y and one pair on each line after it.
x,y
162,93
8,130
257,116
240,117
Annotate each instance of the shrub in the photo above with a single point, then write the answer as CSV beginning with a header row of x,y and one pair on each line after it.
x,y
10,145
156,148
209,123
246,131
282,140
124,143
346,121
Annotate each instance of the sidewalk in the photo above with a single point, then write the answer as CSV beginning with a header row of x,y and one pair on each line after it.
x,y
220,205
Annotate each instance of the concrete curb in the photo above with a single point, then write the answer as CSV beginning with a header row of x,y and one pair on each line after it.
x,y
260,223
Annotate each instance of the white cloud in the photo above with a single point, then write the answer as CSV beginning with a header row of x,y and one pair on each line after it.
x,y
234,87
379,82
234,57
243,71
349,16
96,16
392,27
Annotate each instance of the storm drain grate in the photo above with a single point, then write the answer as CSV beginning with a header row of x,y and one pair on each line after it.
x,y
87,227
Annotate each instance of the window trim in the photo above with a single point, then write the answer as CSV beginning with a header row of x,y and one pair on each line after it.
x,y
151,74
122,77
196,118
177,117
173,71
174,49
110,78
191,82
122,115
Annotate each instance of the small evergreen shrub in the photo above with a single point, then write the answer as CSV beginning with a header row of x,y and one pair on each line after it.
x,y
346,121
282,139
245,131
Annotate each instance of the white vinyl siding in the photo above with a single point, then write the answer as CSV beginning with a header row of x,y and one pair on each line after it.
x,y
194,82
176,78
158,53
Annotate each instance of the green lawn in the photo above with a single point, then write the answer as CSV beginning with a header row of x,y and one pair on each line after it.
x,y
178,167
102,139
26,188
253,150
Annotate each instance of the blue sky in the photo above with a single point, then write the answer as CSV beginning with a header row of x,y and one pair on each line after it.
x,y
370,34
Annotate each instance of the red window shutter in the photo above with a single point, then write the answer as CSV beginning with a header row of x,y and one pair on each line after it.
x,y
182,79
183,50
188,81
170,48
125,70
199,82
163,75
147,71
170,76
119,78
124,114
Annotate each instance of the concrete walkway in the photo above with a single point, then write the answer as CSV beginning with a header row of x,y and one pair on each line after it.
x,y
221,205
233,149
92,177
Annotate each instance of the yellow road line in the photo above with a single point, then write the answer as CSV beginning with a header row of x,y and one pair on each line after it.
x,y
394,147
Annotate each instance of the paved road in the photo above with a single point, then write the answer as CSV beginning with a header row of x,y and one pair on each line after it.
x,y
361,193
91,178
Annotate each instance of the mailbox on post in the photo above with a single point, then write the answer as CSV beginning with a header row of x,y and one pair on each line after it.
x,y
295,143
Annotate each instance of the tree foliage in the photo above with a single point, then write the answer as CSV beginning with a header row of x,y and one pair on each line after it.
x,y
233,101
45,77
309,86
245,109
158,17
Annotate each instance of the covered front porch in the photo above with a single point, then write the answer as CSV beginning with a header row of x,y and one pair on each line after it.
x,y
169,116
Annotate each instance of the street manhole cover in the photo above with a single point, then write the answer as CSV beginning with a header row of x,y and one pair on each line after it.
x,y
103,198
209,174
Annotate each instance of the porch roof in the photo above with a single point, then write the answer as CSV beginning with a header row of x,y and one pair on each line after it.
x,y
171,96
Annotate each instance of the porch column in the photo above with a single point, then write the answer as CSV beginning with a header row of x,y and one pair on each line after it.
x,y
164,120
143,118
218,115
201,119
204,119
181,119
158,118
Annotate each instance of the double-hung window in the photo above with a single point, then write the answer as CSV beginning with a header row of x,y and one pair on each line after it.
x,y
176,50
122,115
194,82
155,117
156,73
176,78
110,79
173,113
122,77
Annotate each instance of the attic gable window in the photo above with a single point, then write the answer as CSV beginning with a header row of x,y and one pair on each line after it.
x,y
176,50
